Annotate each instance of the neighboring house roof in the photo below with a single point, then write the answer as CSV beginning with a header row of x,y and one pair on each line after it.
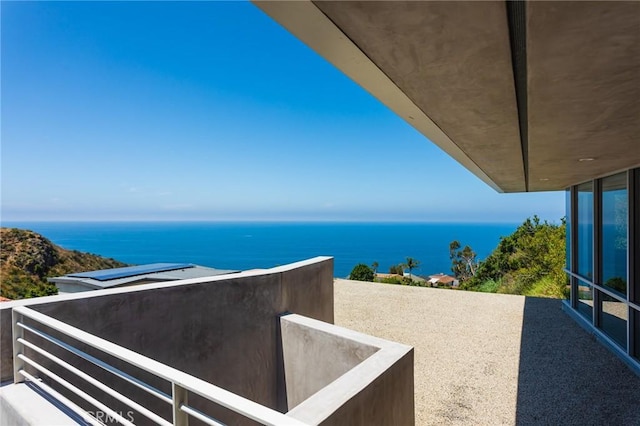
x,y
4,299
414,277
154,272
442,279
446,279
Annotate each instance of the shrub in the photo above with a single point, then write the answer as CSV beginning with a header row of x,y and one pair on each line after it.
x,y
489,286
397,269
361,272
391,280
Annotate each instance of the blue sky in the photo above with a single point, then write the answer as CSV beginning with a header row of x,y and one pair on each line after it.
x,y
209,111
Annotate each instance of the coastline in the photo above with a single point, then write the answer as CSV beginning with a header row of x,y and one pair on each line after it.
x,y
242,245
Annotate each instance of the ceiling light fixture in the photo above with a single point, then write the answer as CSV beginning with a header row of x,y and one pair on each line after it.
x,y
586,159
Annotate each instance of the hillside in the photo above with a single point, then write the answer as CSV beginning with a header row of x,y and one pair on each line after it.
x,y
27,259
529,262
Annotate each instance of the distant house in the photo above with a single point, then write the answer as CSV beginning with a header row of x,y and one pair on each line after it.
x,y
414,277
443,280
132,275
4,299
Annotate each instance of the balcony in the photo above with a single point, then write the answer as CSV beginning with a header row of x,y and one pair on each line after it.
x,y
257,347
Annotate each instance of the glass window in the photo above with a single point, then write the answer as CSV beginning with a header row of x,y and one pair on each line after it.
x,y
585,299
568,228
613,319
615,212
635,240
585,230
636,315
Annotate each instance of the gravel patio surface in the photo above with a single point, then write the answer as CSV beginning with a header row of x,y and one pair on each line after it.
x,y
491,359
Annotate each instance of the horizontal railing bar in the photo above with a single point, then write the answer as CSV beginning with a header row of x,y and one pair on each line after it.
x,y
200,416
62,399
117,395
244,406
220,396
113,370
620,297
82,394
610,293
574,275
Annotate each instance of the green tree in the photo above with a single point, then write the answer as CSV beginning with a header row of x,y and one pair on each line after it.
x,y
530,261
411,264
361,272
464,263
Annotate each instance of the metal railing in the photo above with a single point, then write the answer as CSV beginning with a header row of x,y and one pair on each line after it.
x,y
181,383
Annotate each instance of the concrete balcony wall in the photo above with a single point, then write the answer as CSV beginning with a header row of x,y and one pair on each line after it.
x,y
221,329
336,376
314,357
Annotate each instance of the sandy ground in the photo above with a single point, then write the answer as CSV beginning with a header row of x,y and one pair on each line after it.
x,y
488,359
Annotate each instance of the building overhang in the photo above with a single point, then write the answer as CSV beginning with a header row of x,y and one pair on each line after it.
x,y
531,96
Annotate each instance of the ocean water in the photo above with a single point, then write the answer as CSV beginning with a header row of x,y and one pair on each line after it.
x,y
263,245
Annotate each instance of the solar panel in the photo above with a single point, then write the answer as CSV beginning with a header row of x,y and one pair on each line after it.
x,y
131,271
